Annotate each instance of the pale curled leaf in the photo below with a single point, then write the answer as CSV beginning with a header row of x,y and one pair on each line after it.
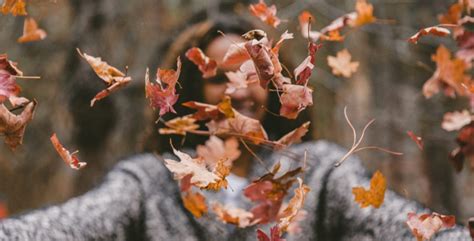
x,y
13,126
425,226
342,65
69,158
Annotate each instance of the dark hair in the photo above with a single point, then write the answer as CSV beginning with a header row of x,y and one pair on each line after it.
x,y
200,35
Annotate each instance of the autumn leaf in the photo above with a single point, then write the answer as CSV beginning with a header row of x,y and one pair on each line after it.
x,y
364,14
293,137
31,32
225,107
304,70
237,80
266,14
436,31
216,149
8,71
305,18
452,16
179,126
295,98
232,215
342,65
13,126
294,206
236,54
3,210
260,56
207,66
113,78
274,235
204,111
69,158
418,140
453,121
15,7
465,150
195,203
375,195
425,226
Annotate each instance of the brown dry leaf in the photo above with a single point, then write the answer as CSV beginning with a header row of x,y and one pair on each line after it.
x,y
435,30
342,65
232,215
31,32
453,121
8,71
13,126
207,66
364,14
15,7
216,149
113,78
180,125
425,226
195,203
265,13
295,98
294,206
68,158
260,55
375,195
293,137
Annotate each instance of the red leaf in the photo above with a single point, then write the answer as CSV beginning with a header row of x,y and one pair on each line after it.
x,y
260,56
425,226
69,158
304,70
418,140
8,71
274,234
266,13
294,99
207,66
436,31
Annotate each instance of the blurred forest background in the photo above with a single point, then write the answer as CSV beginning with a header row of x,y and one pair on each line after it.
x,y
387,86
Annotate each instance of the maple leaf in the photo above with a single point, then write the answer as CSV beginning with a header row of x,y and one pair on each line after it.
x,y
204,111
113,78
364,12
232,215
452,16
160,96
207,66
15,7
465,150
453,121
425,226
260,56
266,14
435,30
293,136
195,203
236,54
31,32
274,234
449,75
13,126
375,195
418,140
8,71
69,158
179,125
342,65
201,176
294,206
304,70
216,149
295,98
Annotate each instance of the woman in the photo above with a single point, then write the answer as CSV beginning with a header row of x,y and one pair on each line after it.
x,y
139,200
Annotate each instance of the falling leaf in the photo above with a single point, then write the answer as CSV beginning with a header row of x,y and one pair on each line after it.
x,y
195,203
294,206
216,149
237,80
295,98
452,16
13,126
162,94
465,150
179,126
232,215
471,226
294,227
31,32
15,7
293,137
436,31
453,121
225,107
304,70
8,71
69,158
364,14
113,78
375,195
204,111
207,66
418,140
305,19
266,14
260,56
342,65
236,54
425,226
284,36
274,234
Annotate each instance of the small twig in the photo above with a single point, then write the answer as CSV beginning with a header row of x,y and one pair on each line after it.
x,y
26,77
378,148
230,40
269,111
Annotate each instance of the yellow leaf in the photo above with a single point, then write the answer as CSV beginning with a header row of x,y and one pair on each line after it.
x,y
195,203
375,195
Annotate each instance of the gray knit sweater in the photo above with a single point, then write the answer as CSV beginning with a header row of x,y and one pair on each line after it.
x,y
139,200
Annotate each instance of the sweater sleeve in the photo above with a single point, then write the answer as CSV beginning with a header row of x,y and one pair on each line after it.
x,y
112,211
333,214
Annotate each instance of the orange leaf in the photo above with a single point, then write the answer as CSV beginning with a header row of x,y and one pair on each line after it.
x,y
225,107
294,206
265,13
31,32
452,16
195,203
375,195
179,126
425,226
364,13
293,137
207,66
436,31
231,215
69,158
15,7
342,65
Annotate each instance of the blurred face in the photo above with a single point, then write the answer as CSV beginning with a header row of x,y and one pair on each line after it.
x,y
247,101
